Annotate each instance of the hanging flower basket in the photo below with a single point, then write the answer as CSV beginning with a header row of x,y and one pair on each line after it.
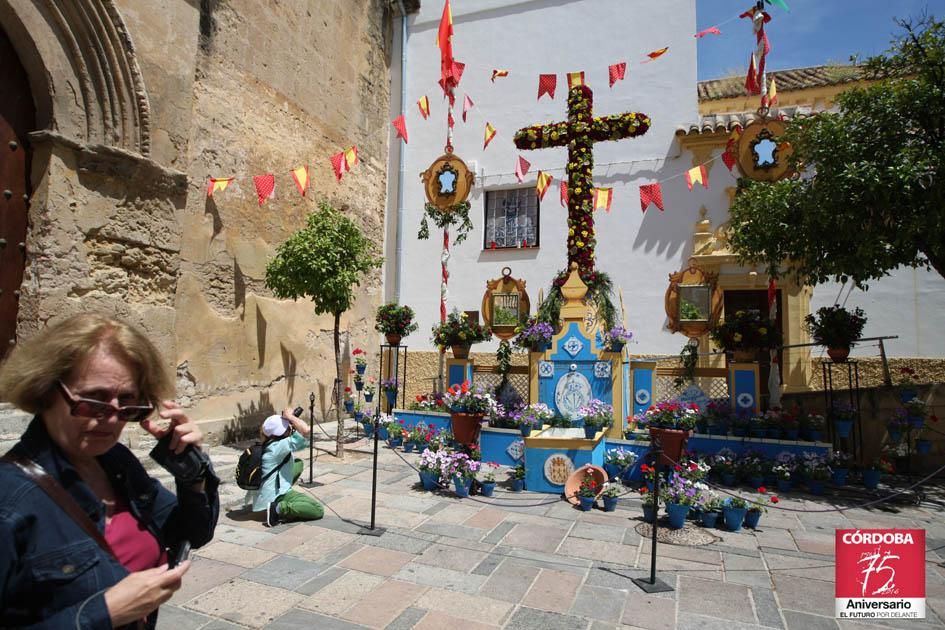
x,y
461,351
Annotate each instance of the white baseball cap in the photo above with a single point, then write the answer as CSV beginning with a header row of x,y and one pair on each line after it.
x,y
275,426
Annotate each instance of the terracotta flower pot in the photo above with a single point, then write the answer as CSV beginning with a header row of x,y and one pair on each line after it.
x,y
573,485
393,340
745,356
466,427
461,351
673,442
839,355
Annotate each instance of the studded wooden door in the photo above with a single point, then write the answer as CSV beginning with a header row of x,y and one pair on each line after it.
x,y
17,118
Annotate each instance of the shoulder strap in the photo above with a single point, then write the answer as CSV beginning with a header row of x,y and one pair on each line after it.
x,y
59,496
277,468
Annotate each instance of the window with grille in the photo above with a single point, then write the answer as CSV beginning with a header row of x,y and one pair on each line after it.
x,y
511,218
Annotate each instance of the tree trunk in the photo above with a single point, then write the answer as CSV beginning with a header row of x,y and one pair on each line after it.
x,y
339,394
937,262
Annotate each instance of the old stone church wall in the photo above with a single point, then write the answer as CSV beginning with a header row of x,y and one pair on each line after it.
x,y
120,220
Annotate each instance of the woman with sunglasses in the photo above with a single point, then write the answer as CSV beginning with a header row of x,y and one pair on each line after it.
x,y
86,535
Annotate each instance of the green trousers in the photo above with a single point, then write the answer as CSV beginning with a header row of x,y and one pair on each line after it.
x,y
298,506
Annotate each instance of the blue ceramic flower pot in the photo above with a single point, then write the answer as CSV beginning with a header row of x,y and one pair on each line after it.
x,y
587,503
488,487
540,346
816,486
751,518
409,446
815,435
784,485
391,397
589,432
461,486
710,519
359,385
906,395
677,515
843,428
757,432
916,422
360,368
612,470
610,504
526,430
871,479
368,429
734,517
430,480
518,485
368,397
923,447
894,434
383,433
649,513
395,442
349,406
839,476
358,416
756,482
740,431
615,347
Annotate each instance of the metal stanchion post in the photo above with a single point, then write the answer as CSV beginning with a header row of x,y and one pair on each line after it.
x,y
311,444
371,530
653,585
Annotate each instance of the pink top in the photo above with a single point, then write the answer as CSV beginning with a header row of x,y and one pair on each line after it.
x,y
133,545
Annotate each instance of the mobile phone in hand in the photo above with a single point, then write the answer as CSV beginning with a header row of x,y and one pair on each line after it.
x,y
179,555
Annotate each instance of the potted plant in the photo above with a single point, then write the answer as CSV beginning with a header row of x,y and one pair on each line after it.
x,y
616,338
487,483
843,416
723,466
533,416
874,471
711,509
588,491
389,386
734,511
611,492
467,410
358,380
757,507
517,477
430,464
757,427
679,495
360,360
459,333
745,332
790,423
750,468
923,446
597,415
650,504
817,472
534,335
784,471
416,437
897,425
395,322
916,410
813,426
348,400
358,412
670,423
836,328
367,423
463,469
369,388
395,433
839,463
618,462
773,419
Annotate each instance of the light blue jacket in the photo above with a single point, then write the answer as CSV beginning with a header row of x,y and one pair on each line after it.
x,y
281,482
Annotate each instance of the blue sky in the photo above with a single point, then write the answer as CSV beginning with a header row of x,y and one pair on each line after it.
x,y
813,33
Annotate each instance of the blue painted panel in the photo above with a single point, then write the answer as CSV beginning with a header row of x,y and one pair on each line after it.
x,y
456,373
493,444
535,458
745,391
411,418
587,346
627,394
642,389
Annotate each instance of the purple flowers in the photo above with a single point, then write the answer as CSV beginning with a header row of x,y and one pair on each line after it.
x,y
534,332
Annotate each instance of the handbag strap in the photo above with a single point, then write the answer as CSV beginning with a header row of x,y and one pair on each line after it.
x,y
60,497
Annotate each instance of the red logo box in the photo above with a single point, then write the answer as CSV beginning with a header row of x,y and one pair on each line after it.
x,y
880,573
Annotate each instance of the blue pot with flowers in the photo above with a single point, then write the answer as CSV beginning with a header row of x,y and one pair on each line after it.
x,y
390,386
615,339
533,417
619,462
843,416
596,415
923,447
534,335
733,513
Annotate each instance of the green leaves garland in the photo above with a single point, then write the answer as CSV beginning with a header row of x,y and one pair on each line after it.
x,y
457,213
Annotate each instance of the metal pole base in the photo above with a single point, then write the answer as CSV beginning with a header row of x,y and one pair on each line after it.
x,y
658,586
377,531
310,484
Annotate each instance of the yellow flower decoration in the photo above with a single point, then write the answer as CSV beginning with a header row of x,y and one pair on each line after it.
x,y
763,331
580,243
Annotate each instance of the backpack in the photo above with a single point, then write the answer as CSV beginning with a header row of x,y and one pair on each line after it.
x,y
249,467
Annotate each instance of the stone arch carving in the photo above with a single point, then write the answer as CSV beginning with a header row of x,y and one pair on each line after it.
x,y
84,48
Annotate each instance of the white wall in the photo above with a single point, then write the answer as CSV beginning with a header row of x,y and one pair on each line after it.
x,y
529,38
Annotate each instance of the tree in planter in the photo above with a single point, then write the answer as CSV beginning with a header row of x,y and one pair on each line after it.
x,y
324,261
873,196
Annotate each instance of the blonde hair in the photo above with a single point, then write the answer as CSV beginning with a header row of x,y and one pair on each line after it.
x,y
28,377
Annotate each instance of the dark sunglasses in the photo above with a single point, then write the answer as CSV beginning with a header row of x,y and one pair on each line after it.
x,y
88,408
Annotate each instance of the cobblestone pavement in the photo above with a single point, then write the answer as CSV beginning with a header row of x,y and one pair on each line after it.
x,y
516,561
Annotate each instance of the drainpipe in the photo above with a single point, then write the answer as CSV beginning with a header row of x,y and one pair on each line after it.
x,y
401,151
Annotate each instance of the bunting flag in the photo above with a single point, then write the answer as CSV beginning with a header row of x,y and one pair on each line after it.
x,y
265,187
651,193
544,182
490,134
779,3
444,41
467,105
656,54
751,79
499,73
729,155
617,71
300,175
697,175
755,81
575,79
351,157
547,84
563,186
424,105
218,184
338,163
712,30
521,168
772,96
401,126
602,198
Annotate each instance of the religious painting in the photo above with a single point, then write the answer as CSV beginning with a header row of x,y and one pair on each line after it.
x,y
505,304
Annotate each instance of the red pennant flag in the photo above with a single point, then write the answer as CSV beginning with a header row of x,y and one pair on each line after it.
x,y
499,73
697,175
401,126
467,105
752,84
490,134
547,84
458,68
563,186
424,105
728,157
617,72
300,175
218,184
265,187
444,40
656,54
544,182
338,163
521,168
712,30
575,78
651,193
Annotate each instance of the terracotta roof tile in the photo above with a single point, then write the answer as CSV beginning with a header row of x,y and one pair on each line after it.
x,y
725,123
793,79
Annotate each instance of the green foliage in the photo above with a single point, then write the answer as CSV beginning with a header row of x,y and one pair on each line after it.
x,y
689,357
457,330
457,213
835,326
599,291
745,330
873,194
324,261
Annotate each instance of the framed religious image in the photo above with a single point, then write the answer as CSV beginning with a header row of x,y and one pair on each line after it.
x,y
505,304
693,301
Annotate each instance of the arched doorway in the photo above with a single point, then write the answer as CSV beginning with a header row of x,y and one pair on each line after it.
x,y
17,118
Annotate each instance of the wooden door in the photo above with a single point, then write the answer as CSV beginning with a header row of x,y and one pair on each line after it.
x,y
17,118
739,300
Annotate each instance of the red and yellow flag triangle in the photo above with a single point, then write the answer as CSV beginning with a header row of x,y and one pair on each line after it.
x,y
602,198
697,175
490,134
218,184
575,79
544,182
300,175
